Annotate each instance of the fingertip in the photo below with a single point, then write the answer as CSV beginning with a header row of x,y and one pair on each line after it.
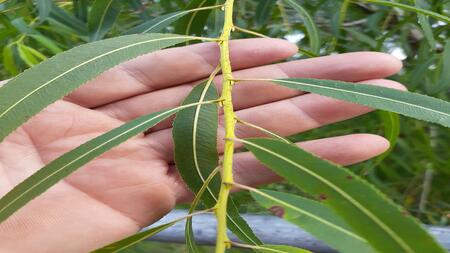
x,y
397,64
278,48
348,149
375,64
389,64
364,146
267,49
393,64
375,144
284,47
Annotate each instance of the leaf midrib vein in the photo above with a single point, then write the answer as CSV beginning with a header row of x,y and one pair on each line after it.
x,y
363,94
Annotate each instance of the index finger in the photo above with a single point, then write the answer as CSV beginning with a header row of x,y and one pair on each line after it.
x,y
174,66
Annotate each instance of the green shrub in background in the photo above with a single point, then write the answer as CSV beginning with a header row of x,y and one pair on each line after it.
x,y
416,172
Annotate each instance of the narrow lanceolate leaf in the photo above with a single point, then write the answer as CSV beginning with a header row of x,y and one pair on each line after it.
x,y
263,11
189,233
62,17
425,24
406,103
9,61
391,123
195,138
267,248
61,167
159,23
102,17
194,22
365,209
314,218
44,8
34,89
313,34
27,30
410,8
444,80
80,9
132,240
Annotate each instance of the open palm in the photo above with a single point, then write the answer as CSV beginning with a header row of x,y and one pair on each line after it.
x,y
136,183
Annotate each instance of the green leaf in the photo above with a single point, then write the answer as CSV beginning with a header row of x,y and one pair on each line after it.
x,y
195,22
44,8
189,233
267,248
34,89
420,71
8,60
64,165
444,80
80,9
406,103
29,55
374,217
391,123
315,218
342,15
161,22
425,24
362,37
158,23
263,11
136,238
102,16
314,38
132,240
410,8
21,26
46,42
195,138
64,18
25,29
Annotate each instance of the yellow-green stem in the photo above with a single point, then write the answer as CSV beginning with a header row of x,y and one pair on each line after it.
x,y
227,168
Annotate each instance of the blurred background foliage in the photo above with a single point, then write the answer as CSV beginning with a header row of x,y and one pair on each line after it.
x,y
416,173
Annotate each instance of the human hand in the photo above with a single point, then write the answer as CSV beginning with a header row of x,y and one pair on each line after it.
x,y
135,183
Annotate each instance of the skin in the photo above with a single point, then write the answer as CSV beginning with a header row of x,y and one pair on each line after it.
x,y
135,184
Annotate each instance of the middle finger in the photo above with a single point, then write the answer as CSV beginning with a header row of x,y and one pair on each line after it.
x,y
351,67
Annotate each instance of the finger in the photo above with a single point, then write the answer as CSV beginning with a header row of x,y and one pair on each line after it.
x,y
285,117
344,150
349,67
175,66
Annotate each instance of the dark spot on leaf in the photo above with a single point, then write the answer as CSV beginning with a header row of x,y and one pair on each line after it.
x,y
349,177
277,210
323,196
405,213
